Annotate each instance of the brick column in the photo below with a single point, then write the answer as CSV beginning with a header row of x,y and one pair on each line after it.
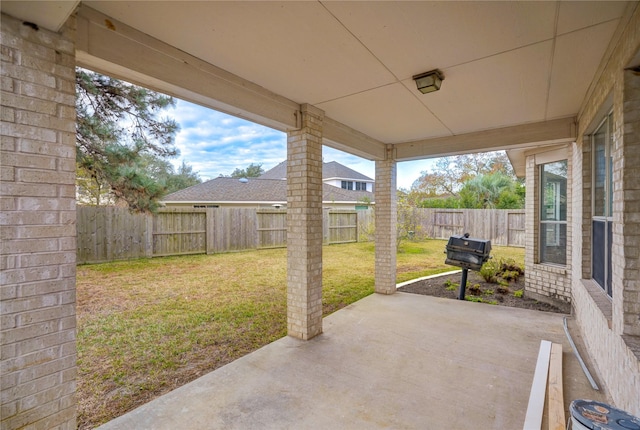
x,y
38,231
386,217
304,226
626,242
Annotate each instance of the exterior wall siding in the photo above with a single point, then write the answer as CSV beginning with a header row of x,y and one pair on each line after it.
x,y
611,329
38,232
625,164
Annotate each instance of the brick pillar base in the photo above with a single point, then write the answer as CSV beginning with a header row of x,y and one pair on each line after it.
x,y
386,214
304,226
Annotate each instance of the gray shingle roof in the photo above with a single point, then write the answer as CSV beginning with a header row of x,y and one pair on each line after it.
x,y
255,190
277,172
332,169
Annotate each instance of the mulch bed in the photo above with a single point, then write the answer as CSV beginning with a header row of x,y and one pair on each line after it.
x,y
478,289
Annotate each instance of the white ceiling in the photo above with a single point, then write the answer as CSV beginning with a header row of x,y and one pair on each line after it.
x,y
505,63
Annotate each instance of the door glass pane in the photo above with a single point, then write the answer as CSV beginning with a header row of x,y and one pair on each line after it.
x,y
599,171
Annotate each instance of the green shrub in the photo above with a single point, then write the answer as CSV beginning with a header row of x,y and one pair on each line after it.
x,y
490,270
488,292
510,265
450,286
518,294
481,300
511,275
475,289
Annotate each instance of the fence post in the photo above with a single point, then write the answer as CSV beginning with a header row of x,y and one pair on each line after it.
x,y
148,236
208,235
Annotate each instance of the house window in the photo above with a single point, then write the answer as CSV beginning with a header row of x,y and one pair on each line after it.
x,y
350,185
602,218
553,213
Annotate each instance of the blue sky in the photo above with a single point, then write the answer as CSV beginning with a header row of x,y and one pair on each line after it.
x,y
216,144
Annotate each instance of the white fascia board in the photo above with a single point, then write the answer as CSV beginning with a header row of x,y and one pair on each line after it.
x,y
235,202
222,202
338,178
519,136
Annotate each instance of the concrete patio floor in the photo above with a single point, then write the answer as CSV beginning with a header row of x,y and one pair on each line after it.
x,y
403,361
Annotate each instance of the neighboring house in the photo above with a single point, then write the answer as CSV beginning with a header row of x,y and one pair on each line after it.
x,y
333,173
270,190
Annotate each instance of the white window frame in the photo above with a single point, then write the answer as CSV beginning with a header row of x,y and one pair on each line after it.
x,y
607,217
555,239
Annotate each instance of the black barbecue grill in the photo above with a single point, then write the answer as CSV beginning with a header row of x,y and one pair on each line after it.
x,y
468,253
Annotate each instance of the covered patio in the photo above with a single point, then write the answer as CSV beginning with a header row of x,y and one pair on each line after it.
x,y
405,362
535,78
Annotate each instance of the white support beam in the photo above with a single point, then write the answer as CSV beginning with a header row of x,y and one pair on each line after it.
x,y
345,138
518,136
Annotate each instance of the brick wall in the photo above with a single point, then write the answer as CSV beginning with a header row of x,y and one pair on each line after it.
x,y
612,337
304,226
583,199
629,196
385,221
37,222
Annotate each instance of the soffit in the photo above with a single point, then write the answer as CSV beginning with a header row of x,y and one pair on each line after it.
x,y
505,63
48,14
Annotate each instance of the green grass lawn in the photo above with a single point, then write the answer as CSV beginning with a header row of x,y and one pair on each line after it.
x,y
148,326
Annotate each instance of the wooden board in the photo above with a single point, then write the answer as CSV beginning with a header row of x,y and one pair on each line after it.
x,y
535,408
555,397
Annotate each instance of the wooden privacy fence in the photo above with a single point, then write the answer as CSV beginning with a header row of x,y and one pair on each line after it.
x,y
110,233
502,226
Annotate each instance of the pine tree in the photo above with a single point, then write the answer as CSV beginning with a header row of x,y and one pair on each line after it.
x,y
117,125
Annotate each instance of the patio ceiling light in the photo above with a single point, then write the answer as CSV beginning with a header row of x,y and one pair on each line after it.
x,y
429,81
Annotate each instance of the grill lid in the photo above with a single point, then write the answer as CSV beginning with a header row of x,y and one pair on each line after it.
x,y
467,252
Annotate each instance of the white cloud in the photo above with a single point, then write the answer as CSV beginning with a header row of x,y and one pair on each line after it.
x,y
215,144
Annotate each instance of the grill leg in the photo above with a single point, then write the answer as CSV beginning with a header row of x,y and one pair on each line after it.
x,y
463,284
